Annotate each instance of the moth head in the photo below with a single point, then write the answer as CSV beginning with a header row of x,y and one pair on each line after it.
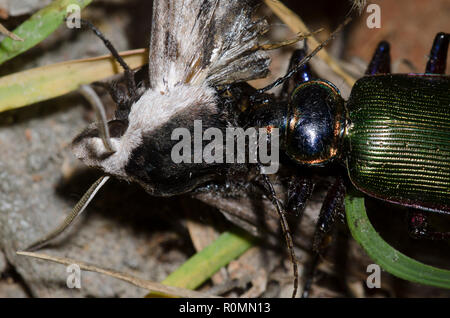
x,y
142,144
90,147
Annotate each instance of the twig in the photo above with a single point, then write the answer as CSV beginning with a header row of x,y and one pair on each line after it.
x,y
294,22
9,34
151,286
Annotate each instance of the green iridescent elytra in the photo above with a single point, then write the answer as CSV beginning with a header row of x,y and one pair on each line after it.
x,y
398,139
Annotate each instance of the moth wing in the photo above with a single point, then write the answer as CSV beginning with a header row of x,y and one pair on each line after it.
x,y
198,41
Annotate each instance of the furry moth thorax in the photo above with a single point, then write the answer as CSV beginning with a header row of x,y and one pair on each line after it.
x,y
195,46
143,151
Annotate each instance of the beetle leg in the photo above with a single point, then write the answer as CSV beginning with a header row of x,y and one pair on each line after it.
x,y
438,56
299,192
332,206
303,74
270,191
420,229
381,60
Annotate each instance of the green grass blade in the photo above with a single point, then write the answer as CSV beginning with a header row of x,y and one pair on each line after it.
x,y
38,27
385,255
50,81
200,267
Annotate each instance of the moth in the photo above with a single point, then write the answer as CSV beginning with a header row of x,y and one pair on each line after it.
x,y
202,53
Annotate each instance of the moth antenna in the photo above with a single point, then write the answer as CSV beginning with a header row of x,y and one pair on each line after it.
x,y
305,60
285,228
102,124
129,74
76,211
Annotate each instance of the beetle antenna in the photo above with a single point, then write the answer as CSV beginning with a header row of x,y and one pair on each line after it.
x,y
102,124
284,226
129,74
305,60
76,211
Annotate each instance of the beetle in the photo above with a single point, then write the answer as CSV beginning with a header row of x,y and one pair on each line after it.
x,y
392,136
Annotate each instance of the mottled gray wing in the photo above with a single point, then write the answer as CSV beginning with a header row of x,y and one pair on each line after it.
x,y
216,41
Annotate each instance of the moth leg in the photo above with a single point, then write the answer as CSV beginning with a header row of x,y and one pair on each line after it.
x,y
129,74
381,60
304,73
299,192
332,207
76,211
437,61
420,229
